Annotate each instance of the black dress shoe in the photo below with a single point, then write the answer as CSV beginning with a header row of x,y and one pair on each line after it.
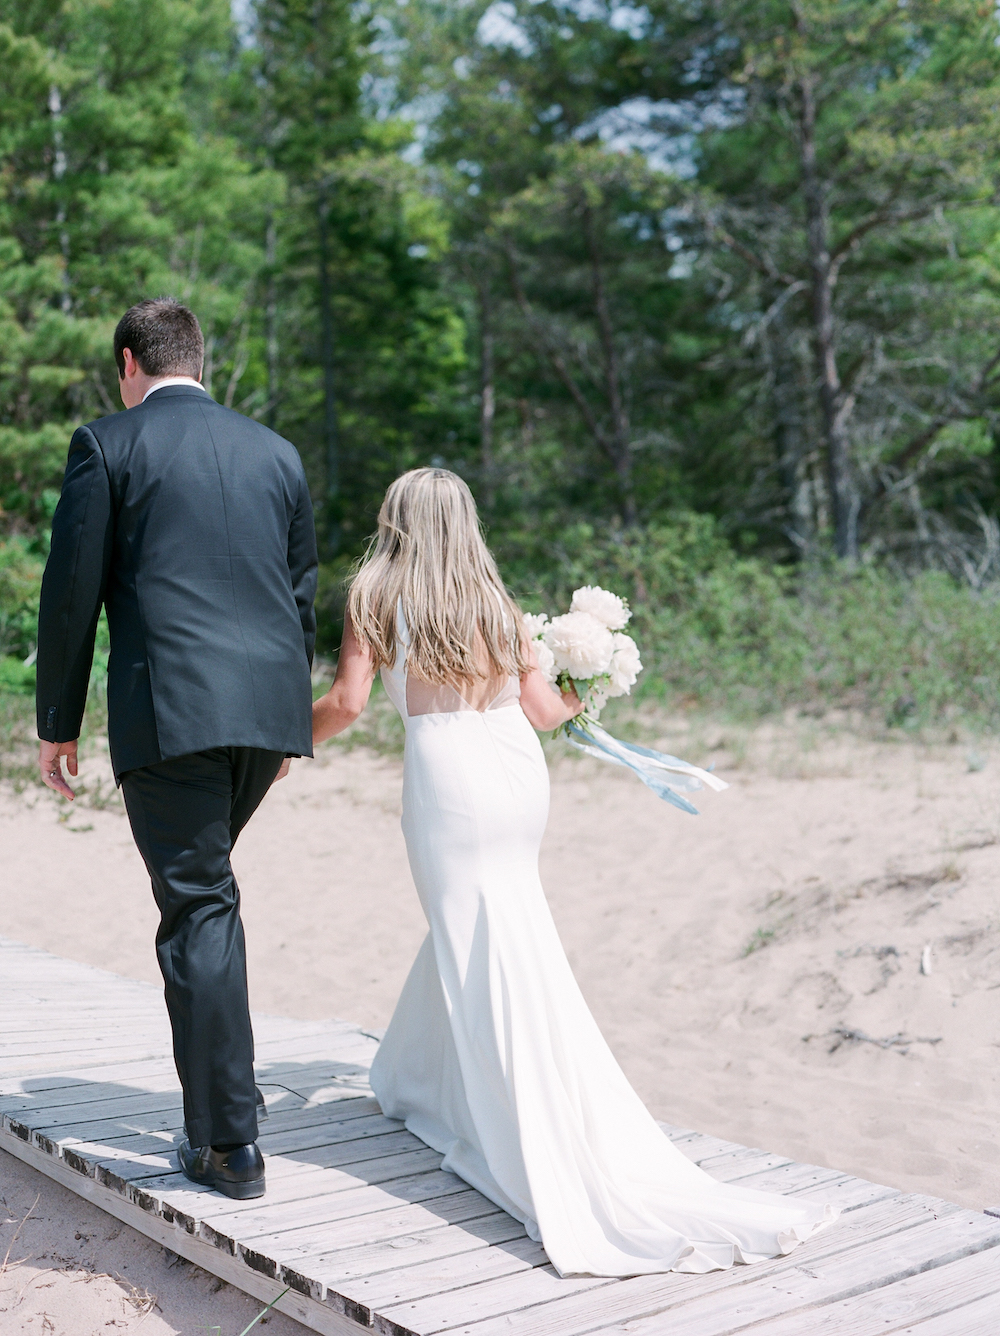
x,y
237,1173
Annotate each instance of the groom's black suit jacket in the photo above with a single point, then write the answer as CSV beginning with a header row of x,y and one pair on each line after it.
x,y
193,525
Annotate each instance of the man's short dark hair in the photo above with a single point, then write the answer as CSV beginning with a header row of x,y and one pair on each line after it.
x,y
163,336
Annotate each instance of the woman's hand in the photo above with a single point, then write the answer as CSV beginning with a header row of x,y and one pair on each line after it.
x,y
351,688
545,709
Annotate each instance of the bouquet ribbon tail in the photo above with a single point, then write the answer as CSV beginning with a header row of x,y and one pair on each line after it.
x,y
652,767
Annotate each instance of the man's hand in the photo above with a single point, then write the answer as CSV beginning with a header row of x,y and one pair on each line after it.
x,y
50,756
286,765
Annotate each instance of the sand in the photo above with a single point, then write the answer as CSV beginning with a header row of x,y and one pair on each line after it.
x,y
740,963
72,1270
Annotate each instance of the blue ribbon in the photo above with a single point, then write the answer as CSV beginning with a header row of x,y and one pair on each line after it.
x,y
650,766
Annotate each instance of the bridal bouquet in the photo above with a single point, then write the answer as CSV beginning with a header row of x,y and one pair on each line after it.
x,y
587,648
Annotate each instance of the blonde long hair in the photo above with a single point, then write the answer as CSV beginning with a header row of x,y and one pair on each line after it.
x,y
429,557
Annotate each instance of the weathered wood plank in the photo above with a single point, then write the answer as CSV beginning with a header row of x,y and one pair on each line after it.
x,y
271,1221
369,1231
373,1295
978,1318
54,1023
90,1152
847,1193
698,1146
337,1276
72,1063
303,1193
163,1112
338,1271
291,1246
134,1069
126,1069
354,1167
945,1291
886,1219
662,1298
805,1286
73,1060
312,1314
326,1134
309,1046
511,1294
677,1133
147,1157
81,1094
337,1126
152,1174
786,1178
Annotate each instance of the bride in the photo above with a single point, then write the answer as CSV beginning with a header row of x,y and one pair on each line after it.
x,y
492,1057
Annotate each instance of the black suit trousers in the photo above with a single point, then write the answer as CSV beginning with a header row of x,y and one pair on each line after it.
x,y
186,815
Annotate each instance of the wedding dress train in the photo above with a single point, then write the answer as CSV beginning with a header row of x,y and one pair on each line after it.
x,y
492,1056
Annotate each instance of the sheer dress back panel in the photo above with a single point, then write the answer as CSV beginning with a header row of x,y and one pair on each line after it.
x,y
414,697
493,693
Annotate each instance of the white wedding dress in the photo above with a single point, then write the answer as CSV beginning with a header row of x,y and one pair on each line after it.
x,y
492,1056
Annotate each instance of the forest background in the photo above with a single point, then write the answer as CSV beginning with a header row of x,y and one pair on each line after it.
x,y
702,297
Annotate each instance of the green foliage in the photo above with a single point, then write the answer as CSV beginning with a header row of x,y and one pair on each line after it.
x,y
848,202
574,259
21,564
107,195
409,239
20,581
16,677
379,728
747,637
716,631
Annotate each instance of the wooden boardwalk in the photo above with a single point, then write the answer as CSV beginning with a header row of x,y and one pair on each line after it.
x,y
367,1232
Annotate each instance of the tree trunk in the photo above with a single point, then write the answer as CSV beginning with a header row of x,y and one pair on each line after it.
x,y
487,396
58,173
844,501
331,441
548,348
791,444
271,322
620,429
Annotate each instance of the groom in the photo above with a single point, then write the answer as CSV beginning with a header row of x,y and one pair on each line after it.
x,y
193,526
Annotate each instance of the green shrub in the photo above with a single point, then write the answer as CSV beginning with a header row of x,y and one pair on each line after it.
x,y
742,635
717,630
22,561
17,677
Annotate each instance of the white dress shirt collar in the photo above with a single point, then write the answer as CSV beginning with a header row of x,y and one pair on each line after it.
x,y
173,380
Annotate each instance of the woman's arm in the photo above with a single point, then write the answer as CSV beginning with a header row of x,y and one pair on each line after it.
x,y
351,688
545,709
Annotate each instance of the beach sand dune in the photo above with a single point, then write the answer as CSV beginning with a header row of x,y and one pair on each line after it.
x,y
812,965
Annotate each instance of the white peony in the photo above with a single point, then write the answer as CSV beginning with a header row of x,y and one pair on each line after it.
x,y
546,661
625,665
601,604
582,645
534,624
596,699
